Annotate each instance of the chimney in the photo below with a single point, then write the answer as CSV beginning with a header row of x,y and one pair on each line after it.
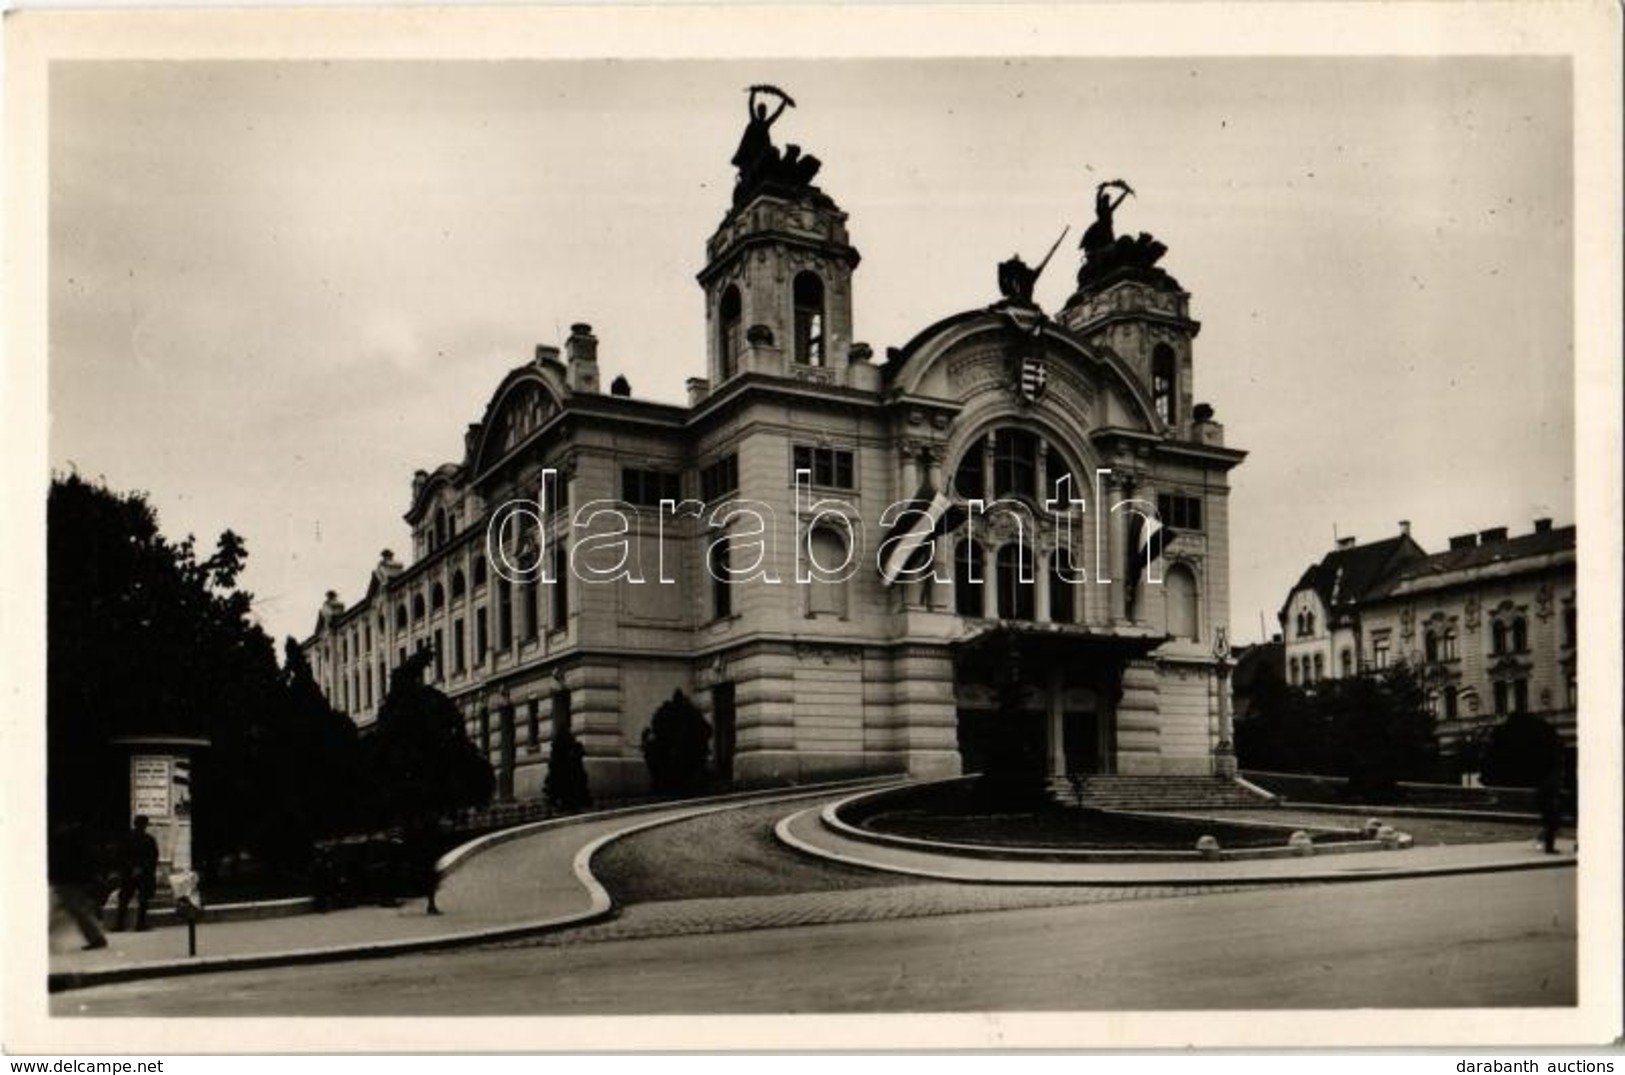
x,y
546,353
1543,526
698,389
1464,541
1492,535
1405,527
333,606
581,358
1346,542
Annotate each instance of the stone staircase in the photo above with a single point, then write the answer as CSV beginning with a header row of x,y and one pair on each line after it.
x,y
1153,793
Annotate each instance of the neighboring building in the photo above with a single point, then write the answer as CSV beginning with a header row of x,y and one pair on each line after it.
x,y
1489,624
1255,664
1017,645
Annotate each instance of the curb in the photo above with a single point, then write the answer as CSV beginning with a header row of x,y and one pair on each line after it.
x,y
782,831
601,904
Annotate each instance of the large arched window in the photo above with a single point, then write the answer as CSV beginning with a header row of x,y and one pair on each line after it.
x,y
1162,382
968,480
1014,564
730,332
968,578
1179,590
808,292
1062,605
825,595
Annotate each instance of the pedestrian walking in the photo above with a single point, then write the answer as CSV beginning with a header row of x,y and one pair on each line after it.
x,y
139,877
1550,794
80,887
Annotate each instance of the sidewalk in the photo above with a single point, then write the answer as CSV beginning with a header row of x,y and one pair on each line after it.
x,y
513,884
806,831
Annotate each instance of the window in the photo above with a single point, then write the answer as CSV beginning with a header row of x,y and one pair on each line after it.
x,y
1162,382
730,334
1056,469
528,613
830,467
1348,662
1015,463
720,478
1292,671
1430,647
400,616
968,578
1520,696
479,570
1379,650
1450,703
1430,704
458,663
439,655
826,548
459,585
1520,636
437,598
504,615
479,637
649,487
1062,607
1180,512
808,292
968,479
1014,562
561,588
1320,667
1571,620
1179,590
722,603
1309,621
1498,638
1447,645
417,607
1500,698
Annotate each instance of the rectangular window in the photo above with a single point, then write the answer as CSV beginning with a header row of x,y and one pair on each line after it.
x,y
439,655
458,663
1180,512
648,488
479,637
830,467
1379,650
1500,699
530,617
561,588
504,615
720,478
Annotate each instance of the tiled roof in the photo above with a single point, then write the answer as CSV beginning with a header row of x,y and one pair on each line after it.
x,y
1497,557
1347,576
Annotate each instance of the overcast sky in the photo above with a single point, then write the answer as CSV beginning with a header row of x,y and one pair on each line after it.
x,y
277,289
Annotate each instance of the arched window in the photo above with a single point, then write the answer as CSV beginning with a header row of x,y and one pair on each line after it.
x,y
827,549
730,332
459,585
1015,463
1320,667
1062,606
1292,671
437,597
441,529
968,579
1015,563
1162,382
1309,620
417,607
1520,637
1498,637
400,616
1056,470
1430,647
722,602
1179,590
808,293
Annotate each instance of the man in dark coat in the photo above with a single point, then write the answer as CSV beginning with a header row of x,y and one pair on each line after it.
x,y
140,873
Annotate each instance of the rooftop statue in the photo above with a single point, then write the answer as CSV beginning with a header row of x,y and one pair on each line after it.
x,y
1017,280
759,161
1105,252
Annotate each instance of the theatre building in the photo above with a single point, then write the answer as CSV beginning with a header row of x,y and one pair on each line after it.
x,y
1009,537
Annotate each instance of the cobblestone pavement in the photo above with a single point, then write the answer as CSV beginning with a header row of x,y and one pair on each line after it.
x,y
676,918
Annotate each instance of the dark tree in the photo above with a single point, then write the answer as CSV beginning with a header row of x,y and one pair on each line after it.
x,y
1521,752
420,766
144,637
566,785
675,747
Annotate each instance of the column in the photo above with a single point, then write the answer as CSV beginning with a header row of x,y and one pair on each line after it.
x,y
1057,729
1117,553
1041,581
